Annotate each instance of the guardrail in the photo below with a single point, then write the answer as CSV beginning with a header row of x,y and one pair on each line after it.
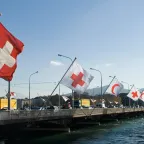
x,y
23,115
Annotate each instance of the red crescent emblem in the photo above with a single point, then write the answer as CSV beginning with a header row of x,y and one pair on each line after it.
x,y
113,87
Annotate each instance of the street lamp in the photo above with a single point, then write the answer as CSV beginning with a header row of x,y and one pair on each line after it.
x,y
65,57
113,77
29,88
101,77
72,90
59,95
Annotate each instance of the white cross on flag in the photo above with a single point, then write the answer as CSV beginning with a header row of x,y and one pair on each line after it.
x,y
115,87
77,78
134,94
142,96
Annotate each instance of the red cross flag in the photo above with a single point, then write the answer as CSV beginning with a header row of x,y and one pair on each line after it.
x,y
10,47
134,94
115,87
13,94
142,96
77,78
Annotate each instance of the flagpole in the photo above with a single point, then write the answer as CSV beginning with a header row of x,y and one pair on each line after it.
x,y
130,89
8,95
62,78
109,84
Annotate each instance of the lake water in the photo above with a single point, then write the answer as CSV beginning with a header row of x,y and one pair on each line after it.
x,y
122,132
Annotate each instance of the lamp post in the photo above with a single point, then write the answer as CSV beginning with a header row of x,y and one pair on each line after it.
x,y
128,90
58,94
72,90
101,79
29,88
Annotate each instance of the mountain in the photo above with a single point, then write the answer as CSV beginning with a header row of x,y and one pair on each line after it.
x,y
97,91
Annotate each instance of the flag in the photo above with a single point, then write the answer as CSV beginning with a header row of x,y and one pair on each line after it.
x,y
12,94
65,98
77,78
10,48
115,87
93,101
134,94
142,96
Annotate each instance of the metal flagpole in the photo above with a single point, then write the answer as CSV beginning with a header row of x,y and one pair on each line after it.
x,y
61,79
8,95
130,89
109,84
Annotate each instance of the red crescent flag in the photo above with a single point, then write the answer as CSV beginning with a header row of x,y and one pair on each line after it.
x,y
115,87
10,48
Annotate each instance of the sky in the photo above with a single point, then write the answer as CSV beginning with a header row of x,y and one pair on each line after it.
x,y
104,34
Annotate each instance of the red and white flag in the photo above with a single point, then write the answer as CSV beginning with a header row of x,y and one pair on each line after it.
x,y
134,94
93,100
77,78
12,94
115,87
10,48
65,98
142,96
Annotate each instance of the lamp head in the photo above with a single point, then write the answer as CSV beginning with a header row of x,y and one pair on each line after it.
x,y
59,55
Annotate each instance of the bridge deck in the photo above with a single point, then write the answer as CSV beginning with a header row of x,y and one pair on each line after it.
x,y
7,117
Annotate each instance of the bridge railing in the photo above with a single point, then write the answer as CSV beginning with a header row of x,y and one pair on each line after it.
x,y
35,114
55,114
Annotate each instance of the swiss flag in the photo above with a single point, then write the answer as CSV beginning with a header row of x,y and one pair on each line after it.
x,y
10,47
134,94
115,87
77,78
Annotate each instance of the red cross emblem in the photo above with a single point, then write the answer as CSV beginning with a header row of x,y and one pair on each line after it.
x,y
12,93
77,79
134,94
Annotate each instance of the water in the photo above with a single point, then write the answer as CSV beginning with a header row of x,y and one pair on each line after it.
x,y
127,131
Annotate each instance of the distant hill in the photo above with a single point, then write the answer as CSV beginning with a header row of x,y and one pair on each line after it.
x,y
97,91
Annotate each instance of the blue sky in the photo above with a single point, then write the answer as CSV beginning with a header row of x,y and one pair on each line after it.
x,y
103,34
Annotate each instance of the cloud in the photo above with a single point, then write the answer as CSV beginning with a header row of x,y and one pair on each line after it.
x,y
108,64
56,63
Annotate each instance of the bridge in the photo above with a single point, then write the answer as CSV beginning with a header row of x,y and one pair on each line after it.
x,y
18,116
